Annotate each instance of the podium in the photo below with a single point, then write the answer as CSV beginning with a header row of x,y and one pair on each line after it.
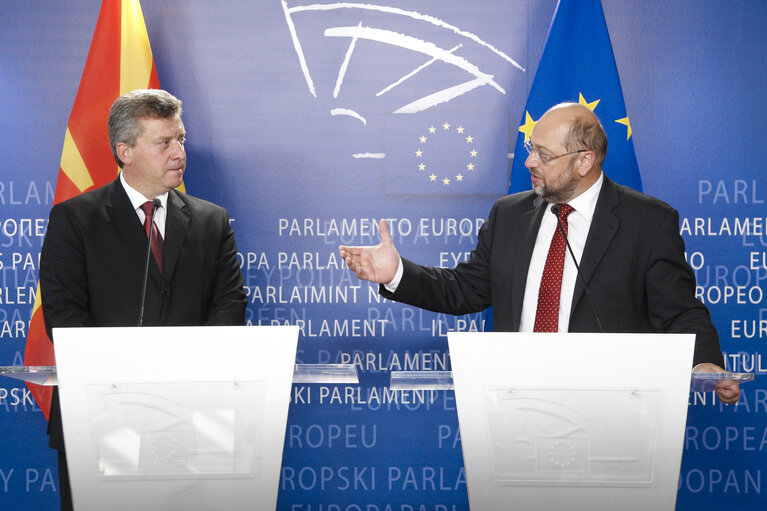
x,y
571,421
186,418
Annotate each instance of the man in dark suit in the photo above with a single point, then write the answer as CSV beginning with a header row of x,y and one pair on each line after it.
x,y
628,244
95,250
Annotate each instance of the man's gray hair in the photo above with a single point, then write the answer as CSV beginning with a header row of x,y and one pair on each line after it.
x,y
127,111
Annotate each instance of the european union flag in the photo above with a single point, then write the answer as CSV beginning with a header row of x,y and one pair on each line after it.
x,y
578,65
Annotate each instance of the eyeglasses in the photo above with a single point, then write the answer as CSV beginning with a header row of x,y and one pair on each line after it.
x,y
546,158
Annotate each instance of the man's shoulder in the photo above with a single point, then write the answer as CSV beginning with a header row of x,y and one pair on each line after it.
x,y
525,200
87,200
635,200
197,205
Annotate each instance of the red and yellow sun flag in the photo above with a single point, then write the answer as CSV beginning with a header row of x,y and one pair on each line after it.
x,y
119,60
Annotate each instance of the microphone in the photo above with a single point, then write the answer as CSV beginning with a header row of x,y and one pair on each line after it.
x,y
555,211
156,203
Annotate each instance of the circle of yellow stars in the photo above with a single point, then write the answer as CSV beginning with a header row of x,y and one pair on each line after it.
x,y
446,180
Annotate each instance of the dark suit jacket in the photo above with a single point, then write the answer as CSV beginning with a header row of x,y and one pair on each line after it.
x,y
93,259
633,262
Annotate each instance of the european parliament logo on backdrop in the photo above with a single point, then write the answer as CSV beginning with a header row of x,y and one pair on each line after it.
x,y
446,154
399,72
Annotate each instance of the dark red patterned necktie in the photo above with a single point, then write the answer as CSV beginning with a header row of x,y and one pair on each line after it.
x,y
547,312
156,236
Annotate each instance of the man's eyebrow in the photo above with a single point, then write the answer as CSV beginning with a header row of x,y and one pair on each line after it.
x,y
538,146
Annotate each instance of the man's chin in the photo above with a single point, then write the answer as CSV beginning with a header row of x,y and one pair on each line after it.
x,y
174,178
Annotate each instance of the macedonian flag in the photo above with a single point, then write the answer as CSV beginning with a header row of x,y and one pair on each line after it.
x,y
119,60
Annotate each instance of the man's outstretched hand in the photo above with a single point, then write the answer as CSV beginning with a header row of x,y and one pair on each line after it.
x,y
374,263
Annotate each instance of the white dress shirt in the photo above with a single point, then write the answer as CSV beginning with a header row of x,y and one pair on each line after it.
x,y
578,224
137,199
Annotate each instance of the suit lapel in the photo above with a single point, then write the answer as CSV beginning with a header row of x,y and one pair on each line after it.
x,y
604,226
522,253
124,220
176,229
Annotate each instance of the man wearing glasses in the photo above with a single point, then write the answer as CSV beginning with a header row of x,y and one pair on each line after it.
x,y
627,244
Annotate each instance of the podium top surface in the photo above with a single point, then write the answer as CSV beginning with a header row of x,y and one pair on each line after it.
x,y
347,374
303,373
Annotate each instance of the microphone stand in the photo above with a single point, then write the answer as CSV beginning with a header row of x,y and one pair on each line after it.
x,y
155,204
555,211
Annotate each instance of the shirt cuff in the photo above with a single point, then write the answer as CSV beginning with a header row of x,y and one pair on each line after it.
x,y
392,285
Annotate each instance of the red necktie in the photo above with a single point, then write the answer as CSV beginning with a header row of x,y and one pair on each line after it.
x,y
547,312
156,236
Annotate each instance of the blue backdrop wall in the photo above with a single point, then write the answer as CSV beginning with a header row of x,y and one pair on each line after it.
x,y
308,157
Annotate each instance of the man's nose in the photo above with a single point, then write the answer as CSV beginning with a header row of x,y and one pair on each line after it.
x,y
531,160
178,149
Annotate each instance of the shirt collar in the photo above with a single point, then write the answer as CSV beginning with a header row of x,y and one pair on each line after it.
x,y
586,203
137,198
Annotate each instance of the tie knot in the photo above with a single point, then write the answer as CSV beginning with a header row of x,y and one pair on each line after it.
x,y
147,208
564,210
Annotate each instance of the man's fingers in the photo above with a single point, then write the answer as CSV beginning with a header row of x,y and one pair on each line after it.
x,y
728,391
353,259
385,235
351,255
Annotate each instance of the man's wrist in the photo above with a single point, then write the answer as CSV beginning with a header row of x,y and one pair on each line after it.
x,y
393,284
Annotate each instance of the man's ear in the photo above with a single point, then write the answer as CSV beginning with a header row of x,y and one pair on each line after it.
x,y
124,152
585,163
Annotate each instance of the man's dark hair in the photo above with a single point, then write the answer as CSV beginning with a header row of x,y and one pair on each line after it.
x,y
127,111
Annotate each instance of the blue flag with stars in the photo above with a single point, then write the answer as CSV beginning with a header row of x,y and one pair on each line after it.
x,y
578,65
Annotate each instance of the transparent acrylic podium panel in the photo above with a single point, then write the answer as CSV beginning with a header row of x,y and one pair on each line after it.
x,y
152,431
39,375
186,418
571,421
564,436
